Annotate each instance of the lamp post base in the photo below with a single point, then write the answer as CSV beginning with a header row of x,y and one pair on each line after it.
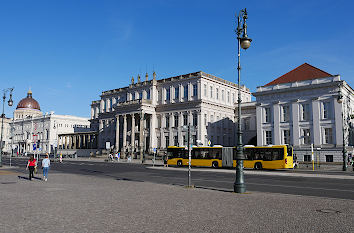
x,y
239,185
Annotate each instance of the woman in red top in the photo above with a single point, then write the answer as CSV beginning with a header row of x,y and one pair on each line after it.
x,y
31,165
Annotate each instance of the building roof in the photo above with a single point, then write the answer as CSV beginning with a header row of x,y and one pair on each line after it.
x,y
300,73
28,102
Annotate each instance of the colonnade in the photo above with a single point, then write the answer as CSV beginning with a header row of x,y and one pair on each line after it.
x,y
140,126
77,141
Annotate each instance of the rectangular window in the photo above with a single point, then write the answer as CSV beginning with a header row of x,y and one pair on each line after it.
x,y
176,92
233,98
325,112
158,122
167,141
268,137
175,140
148,94
307,136
228,97
195,119
307,158
195,90
222,95
211,92
329,158
246,123
328,136
168,94
176,120
205,90
217,93
205,119
167,121
185,119
185,89
305,112
286,136
267,115
286,113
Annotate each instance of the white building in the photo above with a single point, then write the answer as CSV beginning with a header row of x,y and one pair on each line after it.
x,y
6,133
31,126
151,114
307,106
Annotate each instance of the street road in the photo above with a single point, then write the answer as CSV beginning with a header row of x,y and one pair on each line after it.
x,y
307,186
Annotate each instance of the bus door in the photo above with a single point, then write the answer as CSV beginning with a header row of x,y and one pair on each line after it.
x,y
227,156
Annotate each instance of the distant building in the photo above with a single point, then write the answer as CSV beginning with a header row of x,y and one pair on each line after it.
x,y
6,133
307,106
31,126
154,113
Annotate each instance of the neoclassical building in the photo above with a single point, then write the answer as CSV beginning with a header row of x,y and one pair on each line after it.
x,y
30,126
154,113
307,106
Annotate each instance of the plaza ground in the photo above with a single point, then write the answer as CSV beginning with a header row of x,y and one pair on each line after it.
x,y
90,203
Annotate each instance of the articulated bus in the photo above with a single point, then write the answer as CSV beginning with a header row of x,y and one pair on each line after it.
x,y
257,157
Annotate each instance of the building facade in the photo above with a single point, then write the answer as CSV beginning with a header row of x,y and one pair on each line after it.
x,y
30,126
6,133
155,113
307,106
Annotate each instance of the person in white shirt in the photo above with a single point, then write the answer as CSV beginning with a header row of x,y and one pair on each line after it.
x,y
45,166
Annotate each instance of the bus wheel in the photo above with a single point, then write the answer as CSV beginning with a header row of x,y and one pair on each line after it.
x,y
258,166
179,163
215,164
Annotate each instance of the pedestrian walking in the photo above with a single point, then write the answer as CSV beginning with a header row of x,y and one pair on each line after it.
x,y
31,165
61,158
45,166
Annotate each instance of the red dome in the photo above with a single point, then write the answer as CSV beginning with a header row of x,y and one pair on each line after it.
x,y
28,102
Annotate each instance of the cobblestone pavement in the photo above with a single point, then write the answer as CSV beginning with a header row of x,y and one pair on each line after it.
x,y
79,203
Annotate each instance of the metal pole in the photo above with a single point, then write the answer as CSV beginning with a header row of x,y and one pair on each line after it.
x,y
189,156
12,139
2,126
343,132
312,158
239,185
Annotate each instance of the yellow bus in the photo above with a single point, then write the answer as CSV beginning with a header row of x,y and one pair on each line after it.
x,y
263,157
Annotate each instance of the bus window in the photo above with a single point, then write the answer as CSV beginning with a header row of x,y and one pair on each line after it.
x,y
278,154
268,155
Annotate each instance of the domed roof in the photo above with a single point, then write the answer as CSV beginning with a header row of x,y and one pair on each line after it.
x,y
28,102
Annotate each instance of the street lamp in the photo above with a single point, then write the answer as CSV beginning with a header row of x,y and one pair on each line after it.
x,y
243,42
344,151
10,103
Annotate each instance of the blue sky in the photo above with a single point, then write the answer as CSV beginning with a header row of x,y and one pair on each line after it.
x,y
68,52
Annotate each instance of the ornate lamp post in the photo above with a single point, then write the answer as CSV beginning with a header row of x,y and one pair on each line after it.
x,y
243,42
341,101
10,103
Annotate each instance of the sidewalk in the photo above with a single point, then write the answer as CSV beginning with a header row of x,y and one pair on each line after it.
x,y
78,203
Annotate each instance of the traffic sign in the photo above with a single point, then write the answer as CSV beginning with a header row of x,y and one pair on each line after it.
x,y
155,150
34,146
209,143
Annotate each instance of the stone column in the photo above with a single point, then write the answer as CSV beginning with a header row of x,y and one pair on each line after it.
x,y
66,142
84,141
277,139
124,135
132,142
170,120
141,141
317,135
199,127
295,123
180,126
89,142
74,142
117,134
152,133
